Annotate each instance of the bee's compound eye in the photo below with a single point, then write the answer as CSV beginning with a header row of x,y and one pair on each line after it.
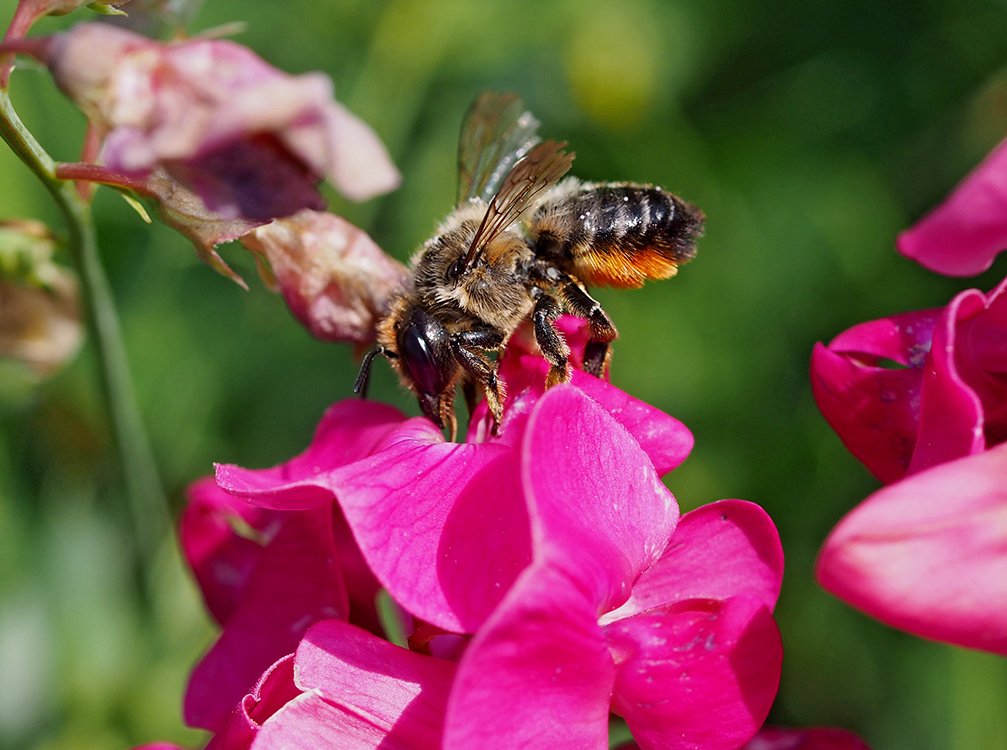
x,y
455,269
418,345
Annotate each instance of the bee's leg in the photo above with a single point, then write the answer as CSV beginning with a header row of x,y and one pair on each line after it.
x,y
549,339
447,412
466,345
583,305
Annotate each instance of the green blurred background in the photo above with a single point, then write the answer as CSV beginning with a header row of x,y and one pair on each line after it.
x,y
810,133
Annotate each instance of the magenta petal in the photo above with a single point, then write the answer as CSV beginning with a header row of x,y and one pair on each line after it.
x,y
951,415
599,515
981,359
598,509
875,409
349,431
665,440
309,722
295,583
377,683
538,674
719,550
814,738
701,673
963,235
442,525
272,692
360,692
221,558
929,554
903,338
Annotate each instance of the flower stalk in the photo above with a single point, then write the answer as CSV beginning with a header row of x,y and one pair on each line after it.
x,y
140,476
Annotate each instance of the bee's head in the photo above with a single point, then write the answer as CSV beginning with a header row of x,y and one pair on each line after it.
x,y
419,347
426,359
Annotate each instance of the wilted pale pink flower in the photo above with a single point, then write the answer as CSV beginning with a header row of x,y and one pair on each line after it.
x,y
946,397
553,555
963,235
331,274
250,140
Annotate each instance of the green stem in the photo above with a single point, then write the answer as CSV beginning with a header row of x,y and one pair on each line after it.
x,y
143,486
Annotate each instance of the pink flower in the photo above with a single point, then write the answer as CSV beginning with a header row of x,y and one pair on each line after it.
x,y
928,554
252,141
694,671
552,555
946,398
963,235
331,274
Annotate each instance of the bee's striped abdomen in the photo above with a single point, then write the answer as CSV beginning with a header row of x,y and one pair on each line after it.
x,y
615,234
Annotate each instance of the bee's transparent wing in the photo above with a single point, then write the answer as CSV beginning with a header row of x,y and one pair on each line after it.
x,y
532,175
496,133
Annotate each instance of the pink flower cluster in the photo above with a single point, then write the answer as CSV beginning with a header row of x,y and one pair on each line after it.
x,y
921,399
545,577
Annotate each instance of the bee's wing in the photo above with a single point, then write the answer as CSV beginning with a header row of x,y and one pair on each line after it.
x,y
531,176
496,133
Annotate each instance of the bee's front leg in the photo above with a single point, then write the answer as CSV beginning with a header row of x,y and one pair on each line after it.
x,y
467,346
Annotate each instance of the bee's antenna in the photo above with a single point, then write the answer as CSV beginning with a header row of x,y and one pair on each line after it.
x,y
364,376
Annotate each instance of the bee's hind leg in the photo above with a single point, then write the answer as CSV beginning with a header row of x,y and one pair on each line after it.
x,y
602,330
549,339
467,345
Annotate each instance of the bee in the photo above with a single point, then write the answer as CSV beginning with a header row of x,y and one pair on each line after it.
x,y
522,243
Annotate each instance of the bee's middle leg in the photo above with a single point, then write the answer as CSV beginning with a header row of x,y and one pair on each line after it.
x,y
549,339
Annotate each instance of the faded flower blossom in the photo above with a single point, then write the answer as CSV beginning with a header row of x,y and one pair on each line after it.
x,y
557,535
40,319
251,141
928,553
333,277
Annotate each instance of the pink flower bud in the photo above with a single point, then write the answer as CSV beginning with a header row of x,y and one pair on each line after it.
x,y
335,280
